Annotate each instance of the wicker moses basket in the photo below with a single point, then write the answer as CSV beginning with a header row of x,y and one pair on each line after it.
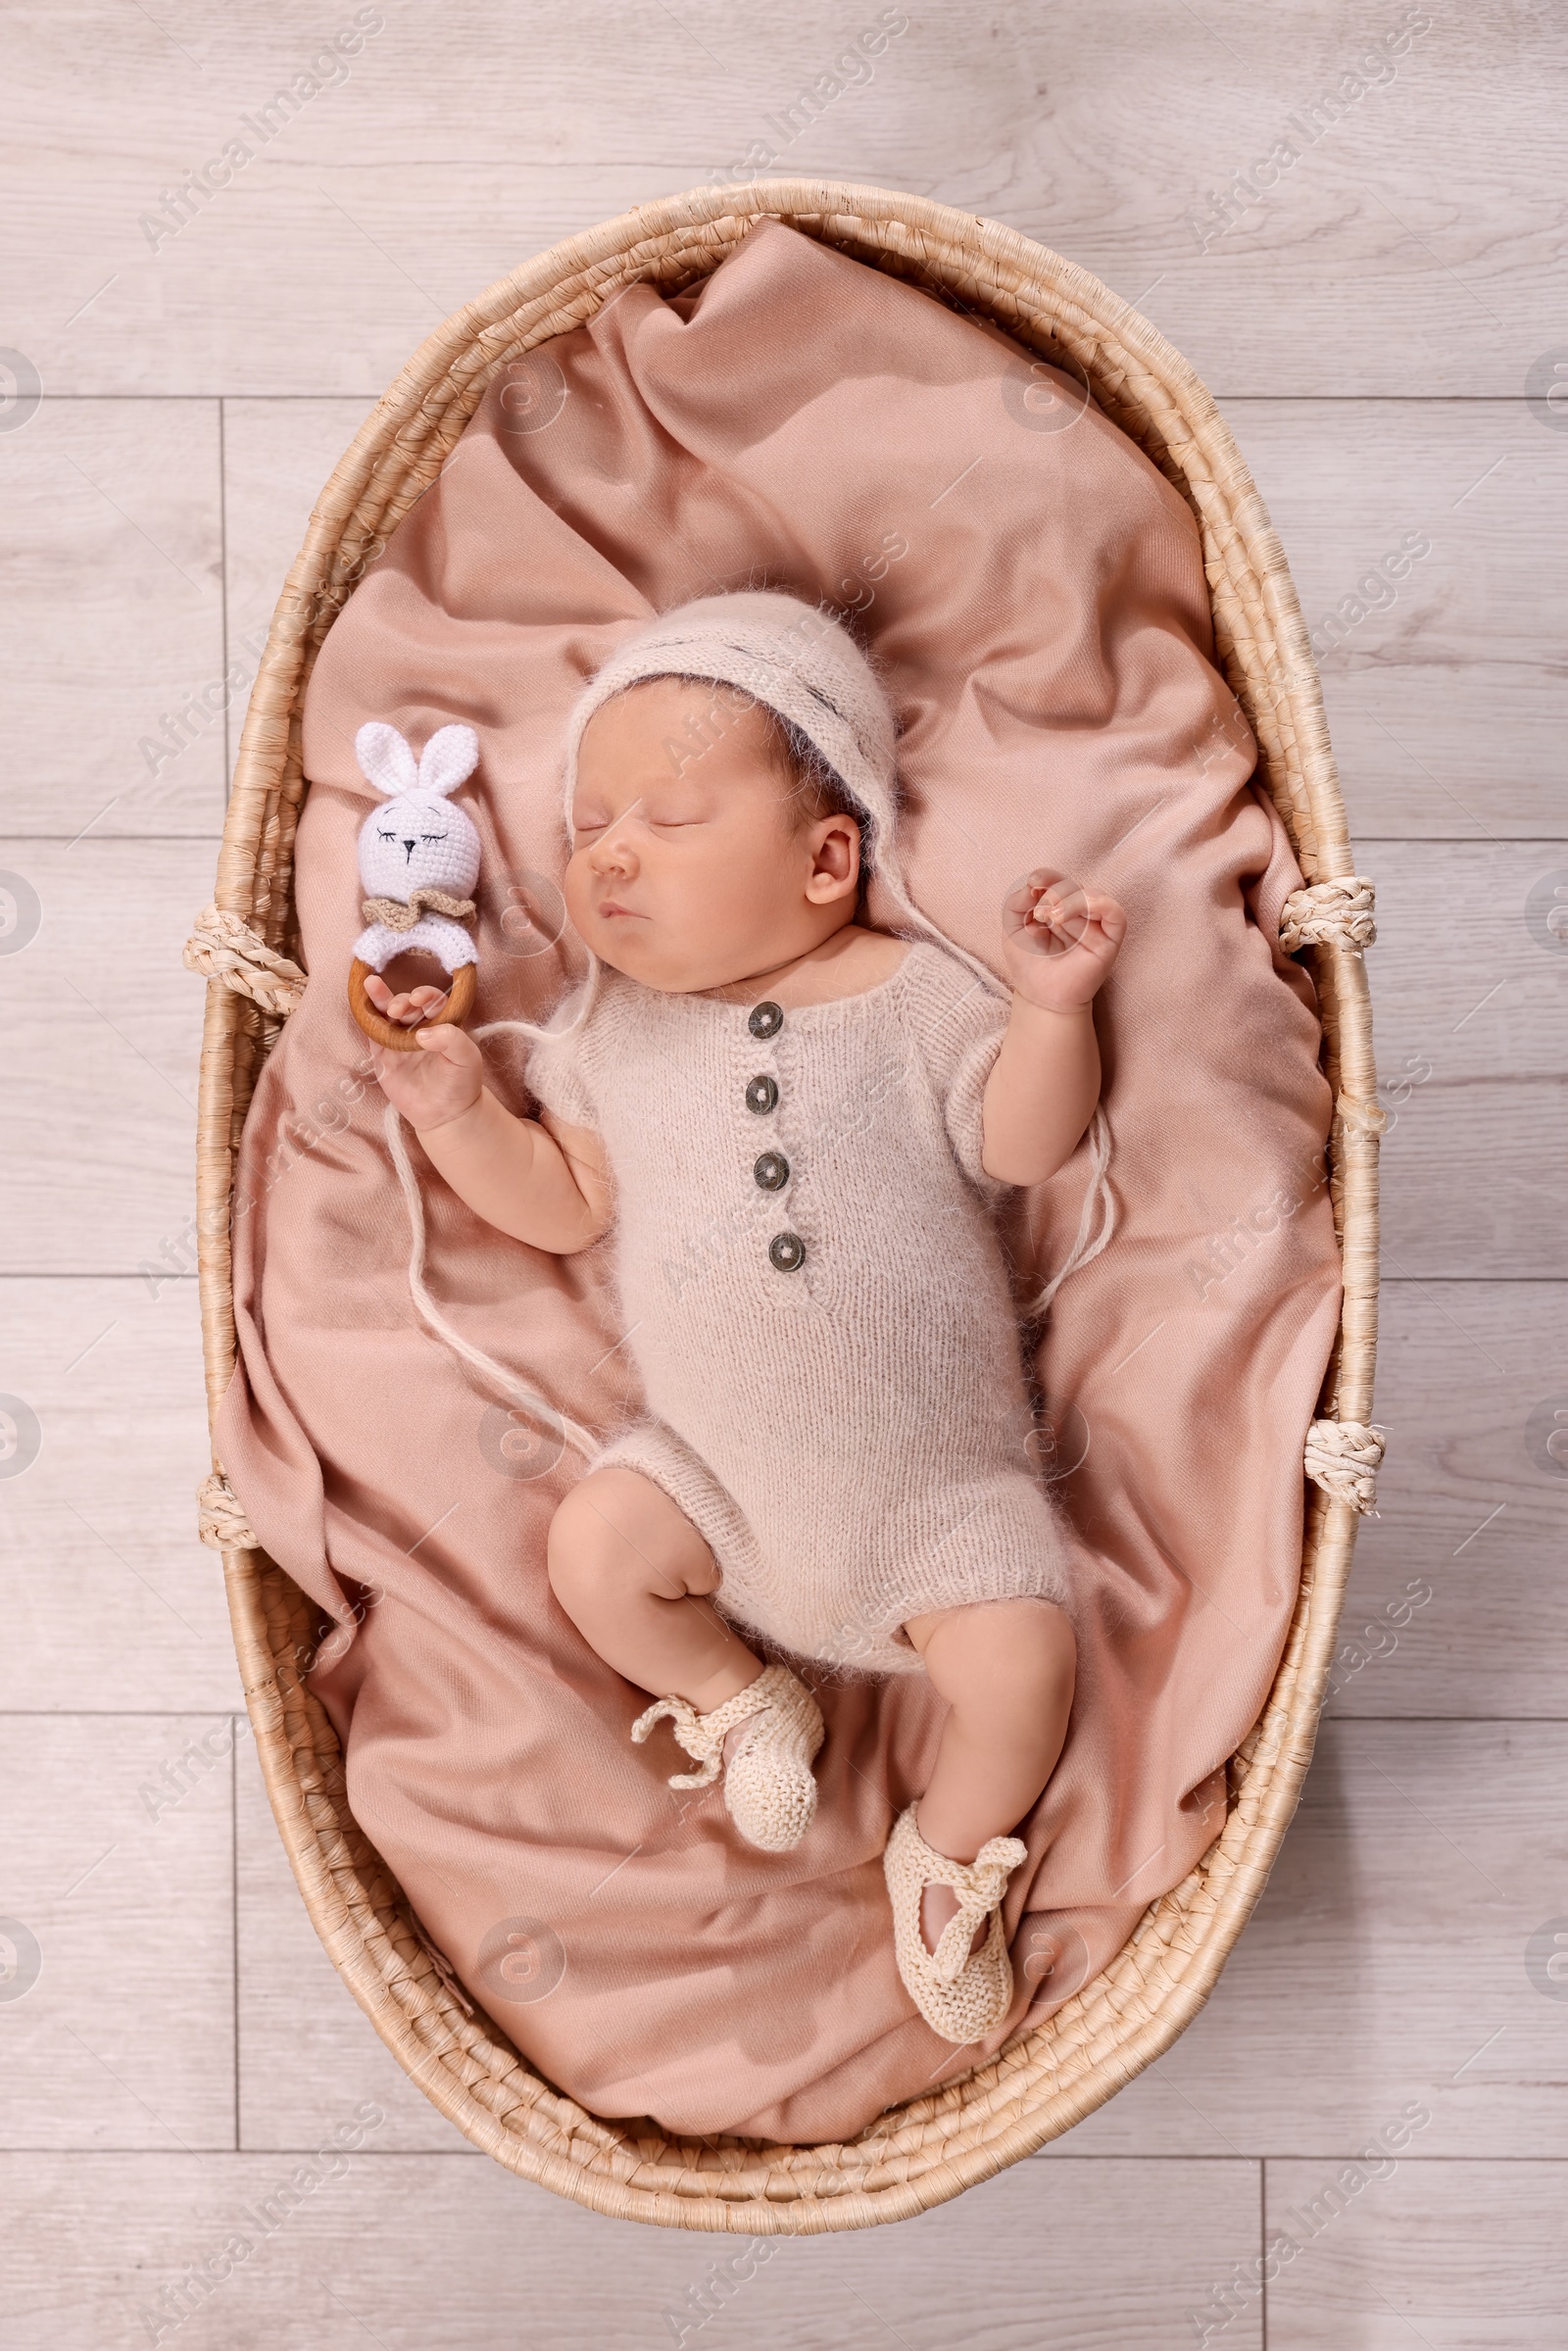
x,y
924,2152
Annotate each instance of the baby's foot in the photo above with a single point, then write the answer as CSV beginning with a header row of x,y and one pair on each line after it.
x,y
962,1986
764,1740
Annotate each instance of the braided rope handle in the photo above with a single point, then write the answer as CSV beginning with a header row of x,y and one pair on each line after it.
x,y
223,947
1325,912
1343,1457
220,1520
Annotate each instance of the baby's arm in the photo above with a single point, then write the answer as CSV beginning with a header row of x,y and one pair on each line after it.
x,y
550,1189
1043,1088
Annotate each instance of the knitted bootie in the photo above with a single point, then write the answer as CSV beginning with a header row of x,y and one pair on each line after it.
x,y
961,1995
769,1792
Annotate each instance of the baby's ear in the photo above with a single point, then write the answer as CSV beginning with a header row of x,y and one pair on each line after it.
x,y
385,759
448,760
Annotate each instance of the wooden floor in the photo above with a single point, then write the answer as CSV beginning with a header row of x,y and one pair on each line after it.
x,y
1382,325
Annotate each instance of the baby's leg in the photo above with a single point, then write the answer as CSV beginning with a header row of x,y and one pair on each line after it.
x,y
1006,1668
632,1573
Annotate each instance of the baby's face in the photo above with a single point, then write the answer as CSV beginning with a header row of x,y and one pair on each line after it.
x,y
687,872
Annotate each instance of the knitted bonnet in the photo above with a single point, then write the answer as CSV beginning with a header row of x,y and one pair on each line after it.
x,y
801,663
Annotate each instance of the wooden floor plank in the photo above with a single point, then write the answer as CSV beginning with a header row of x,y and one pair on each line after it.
x,y
100,1026
113,690
278,455
1465,2256
98,1170
107,1598
1411,689
1426,539
413,2251
1456,1604
1473,1053
117,1836
1386,1962
1407,242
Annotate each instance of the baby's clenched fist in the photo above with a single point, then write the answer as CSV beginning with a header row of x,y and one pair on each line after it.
x,y
1059,940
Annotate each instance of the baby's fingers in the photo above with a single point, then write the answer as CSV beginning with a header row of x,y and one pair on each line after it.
x,y
417,1005
1111,917
412,1004
1046,912
398,1007
446,1043
453,1046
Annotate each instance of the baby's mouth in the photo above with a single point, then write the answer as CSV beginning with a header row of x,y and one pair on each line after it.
x,y
612,907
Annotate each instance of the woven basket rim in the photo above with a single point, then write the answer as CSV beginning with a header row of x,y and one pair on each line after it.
x,y
934,2146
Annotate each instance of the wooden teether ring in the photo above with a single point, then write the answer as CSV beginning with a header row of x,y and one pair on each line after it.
x,y
376,1026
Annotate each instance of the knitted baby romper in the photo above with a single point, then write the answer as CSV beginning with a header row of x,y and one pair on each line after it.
x,y
815,1297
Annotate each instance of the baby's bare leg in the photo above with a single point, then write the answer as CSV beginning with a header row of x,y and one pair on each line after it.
x,y
1006,1669
632,1573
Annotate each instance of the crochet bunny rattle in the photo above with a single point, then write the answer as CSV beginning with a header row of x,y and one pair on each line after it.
x,y
418,862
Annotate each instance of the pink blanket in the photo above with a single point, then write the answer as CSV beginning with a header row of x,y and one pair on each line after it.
x,y
1035,590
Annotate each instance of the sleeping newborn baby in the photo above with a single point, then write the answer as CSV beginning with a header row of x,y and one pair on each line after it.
x,y
799,1128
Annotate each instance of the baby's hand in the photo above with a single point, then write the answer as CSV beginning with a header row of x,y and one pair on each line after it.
x,y
443,1077
1059,941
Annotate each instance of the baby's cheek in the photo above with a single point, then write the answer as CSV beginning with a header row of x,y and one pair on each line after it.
x,y
767,875
574,887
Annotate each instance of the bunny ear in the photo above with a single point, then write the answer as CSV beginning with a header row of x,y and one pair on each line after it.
x,y
448,760
385,759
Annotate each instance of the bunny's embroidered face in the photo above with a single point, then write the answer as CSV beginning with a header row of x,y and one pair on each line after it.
x,y
417,839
